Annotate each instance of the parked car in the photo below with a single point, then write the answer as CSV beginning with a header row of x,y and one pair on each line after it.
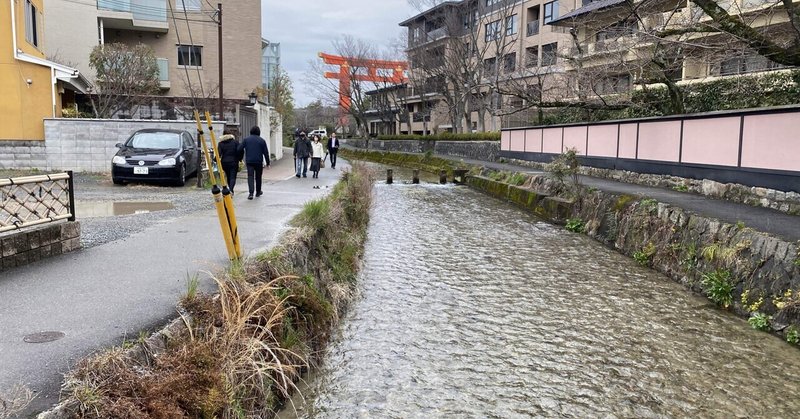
x,y
321,132
155,155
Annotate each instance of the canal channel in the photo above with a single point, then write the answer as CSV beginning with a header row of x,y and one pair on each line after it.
x,y
469,307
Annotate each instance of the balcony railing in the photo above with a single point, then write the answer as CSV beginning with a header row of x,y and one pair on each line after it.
x,y
533,28
149,10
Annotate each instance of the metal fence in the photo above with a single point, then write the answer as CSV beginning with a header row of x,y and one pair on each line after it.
x,y
33,200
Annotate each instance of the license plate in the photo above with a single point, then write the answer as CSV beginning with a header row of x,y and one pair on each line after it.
x,y
140,170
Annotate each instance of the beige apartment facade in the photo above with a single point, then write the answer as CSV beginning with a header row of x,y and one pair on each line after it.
x,y
513,41
182,33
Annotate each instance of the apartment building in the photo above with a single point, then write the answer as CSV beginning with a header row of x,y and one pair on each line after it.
x,y
620,43
182,33
508,42
33,88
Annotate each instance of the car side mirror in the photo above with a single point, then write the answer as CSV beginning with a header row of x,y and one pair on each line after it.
x,y
118,145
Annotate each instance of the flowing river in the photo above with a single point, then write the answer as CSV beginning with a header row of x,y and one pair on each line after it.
x,y
472,308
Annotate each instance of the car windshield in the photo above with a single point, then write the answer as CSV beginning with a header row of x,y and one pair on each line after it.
x,y
159,140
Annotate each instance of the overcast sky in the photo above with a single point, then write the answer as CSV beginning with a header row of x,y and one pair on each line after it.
x,y
307,27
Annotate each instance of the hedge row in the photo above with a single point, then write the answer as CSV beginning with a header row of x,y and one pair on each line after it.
x,y
743,92
446,136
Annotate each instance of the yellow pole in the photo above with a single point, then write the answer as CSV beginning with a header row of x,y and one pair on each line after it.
x,y
216,193
227,198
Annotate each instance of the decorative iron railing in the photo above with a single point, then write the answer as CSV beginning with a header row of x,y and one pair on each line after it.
x,y
32,200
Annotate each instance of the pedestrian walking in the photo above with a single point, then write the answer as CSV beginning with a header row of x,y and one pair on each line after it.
x,y
333,149
316,156
302,150
256,157
229,156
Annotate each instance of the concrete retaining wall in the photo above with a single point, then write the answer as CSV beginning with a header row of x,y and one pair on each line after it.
x,y
30,245
82,145
478,150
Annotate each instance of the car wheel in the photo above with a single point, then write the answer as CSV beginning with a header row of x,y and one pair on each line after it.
x,y
117,181
181,176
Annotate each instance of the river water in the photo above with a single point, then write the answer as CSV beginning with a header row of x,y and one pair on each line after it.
x,y
472,308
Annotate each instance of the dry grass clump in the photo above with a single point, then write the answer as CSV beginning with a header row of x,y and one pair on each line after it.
x,y
245,347
14,401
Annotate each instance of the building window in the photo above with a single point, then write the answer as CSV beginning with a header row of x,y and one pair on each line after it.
x,y
31,28
489,66
549,54
190,55
189,5
531,57
492,31
490,3
510,62
613,84
550,11
617,30
511,25
746,64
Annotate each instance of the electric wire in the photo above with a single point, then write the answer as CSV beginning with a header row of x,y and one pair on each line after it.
x,y
185,68
191,41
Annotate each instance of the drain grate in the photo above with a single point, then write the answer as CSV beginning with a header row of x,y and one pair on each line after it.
x,y
43,337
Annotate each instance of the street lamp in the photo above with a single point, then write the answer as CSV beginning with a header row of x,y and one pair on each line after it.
x,y
253,98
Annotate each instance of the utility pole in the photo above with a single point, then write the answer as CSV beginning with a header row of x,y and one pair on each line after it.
x,y
219,38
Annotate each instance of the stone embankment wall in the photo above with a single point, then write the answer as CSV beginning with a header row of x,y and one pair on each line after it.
x,y
82,145
478,150
788,202
30,245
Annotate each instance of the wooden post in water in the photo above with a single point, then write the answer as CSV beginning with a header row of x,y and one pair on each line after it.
x,y
415,178
443,176
389,177
460,176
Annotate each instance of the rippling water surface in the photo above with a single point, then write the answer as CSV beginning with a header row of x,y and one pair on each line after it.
x,y
472,308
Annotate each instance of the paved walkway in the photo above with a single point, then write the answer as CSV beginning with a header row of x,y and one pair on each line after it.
x,y
103,294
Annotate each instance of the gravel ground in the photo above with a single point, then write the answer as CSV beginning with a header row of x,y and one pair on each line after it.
x,y
96,188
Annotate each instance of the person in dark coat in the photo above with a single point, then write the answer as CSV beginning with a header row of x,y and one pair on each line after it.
x,y
333,149
230,156
302,151
256,157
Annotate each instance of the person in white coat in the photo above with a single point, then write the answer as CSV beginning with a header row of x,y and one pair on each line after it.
x,y
316,156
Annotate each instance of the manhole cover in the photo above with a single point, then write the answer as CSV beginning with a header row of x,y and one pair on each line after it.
x,y
43,337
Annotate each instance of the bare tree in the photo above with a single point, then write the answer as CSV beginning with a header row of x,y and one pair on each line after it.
x,y
126,76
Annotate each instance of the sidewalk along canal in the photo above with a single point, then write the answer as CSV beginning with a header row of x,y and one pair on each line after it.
x,y
238,353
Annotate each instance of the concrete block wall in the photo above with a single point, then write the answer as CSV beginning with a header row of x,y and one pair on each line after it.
x,y
20,248
82,145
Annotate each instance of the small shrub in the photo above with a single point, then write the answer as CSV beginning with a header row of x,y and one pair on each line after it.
x,y
680,188
740,225
718,286
643,257
576,225
565,166
690,258
516,179
649,204
759,321
792,335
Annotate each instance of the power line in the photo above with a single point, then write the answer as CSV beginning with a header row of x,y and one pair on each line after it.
x,y
185,68
191,41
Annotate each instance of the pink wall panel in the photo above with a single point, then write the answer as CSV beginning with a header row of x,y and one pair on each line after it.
x,y
533,140
518,140
772,141
575,137
627,141
660,140
602,141
505,140
552,141
711,141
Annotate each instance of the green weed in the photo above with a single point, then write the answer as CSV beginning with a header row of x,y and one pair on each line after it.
x,y
650,205
740,225
792,335
516,179
718,286
759,321
576,225
644,257
192,284
680,188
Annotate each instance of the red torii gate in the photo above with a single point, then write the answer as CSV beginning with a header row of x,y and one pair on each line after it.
x,y
398,76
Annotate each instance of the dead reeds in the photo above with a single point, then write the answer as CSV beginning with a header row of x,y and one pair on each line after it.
x,y
244,348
